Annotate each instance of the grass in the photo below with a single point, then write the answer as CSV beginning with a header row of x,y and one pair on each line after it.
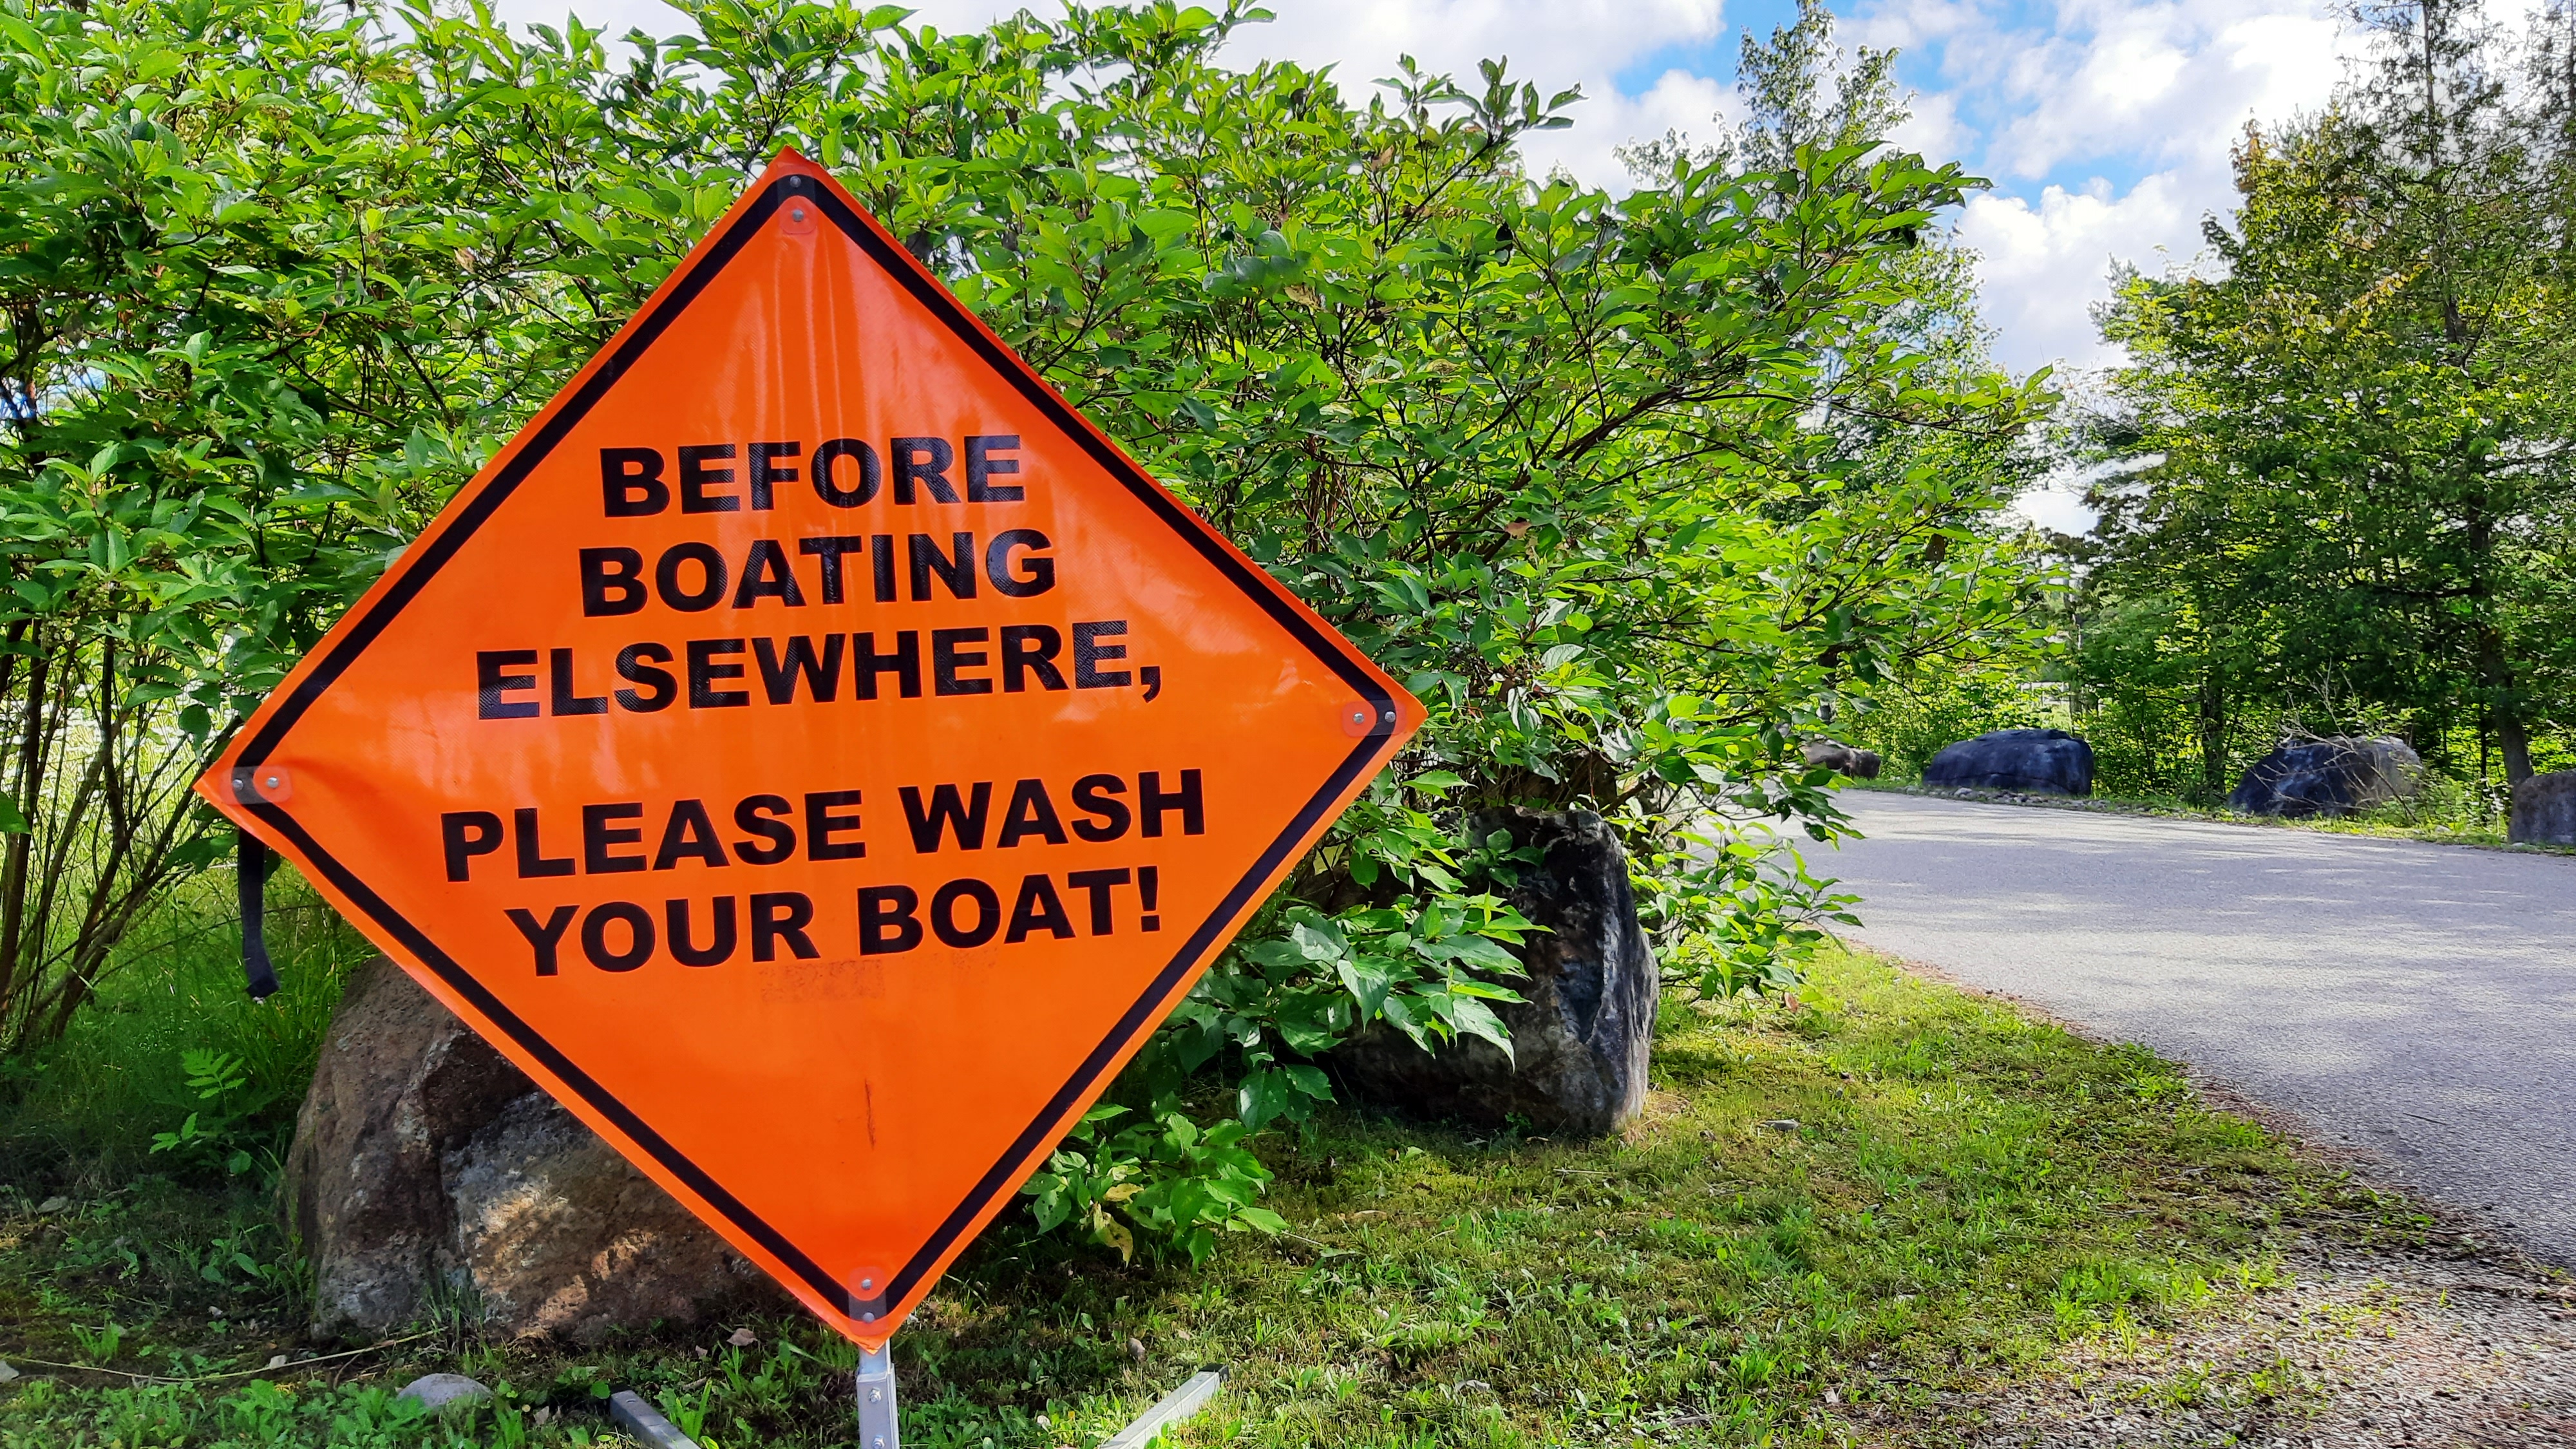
x,y
1832,1219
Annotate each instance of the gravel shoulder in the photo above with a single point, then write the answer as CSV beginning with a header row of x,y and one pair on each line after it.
x,y
2436,1346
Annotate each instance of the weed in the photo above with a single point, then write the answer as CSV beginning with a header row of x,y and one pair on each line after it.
x,y
98,1345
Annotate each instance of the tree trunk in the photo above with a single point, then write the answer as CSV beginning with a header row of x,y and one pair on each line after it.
x,y
2515,740
2513,736
30,801
2213,734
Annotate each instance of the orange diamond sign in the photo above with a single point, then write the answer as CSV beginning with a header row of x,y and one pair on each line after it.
x,y
814,753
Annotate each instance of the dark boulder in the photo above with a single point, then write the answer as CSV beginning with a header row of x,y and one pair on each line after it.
x,y
2544,810
1579,1039
2333,776
427,1168
1860,764
2047,762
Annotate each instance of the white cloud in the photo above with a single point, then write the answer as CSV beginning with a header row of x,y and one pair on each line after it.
x,y
614,16
1678,101
1555,44
1569,43
2152,92
2162,82
2042,266
1934,129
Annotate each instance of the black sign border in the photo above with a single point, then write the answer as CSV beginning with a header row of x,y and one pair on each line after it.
x,y
421,565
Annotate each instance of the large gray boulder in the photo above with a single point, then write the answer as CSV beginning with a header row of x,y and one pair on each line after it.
x,y
2333,776
1580,1037
2045,762
2544,810
428,1170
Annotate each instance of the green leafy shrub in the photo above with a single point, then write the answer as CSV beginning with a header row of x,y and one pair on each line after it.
x,y
1632,490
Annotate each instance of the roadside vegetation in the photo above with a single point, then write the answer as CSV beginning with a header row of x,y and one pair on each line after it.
x,y
1838,1217
1635,490
2334,475
1628,488
2408,820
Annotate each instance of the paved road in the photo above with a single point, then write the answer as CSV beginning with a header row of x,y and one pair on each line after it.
x,y
2415,1001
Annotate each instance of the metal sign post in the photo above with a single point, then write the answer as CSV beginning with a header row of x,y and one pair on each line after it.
x,y
876,1399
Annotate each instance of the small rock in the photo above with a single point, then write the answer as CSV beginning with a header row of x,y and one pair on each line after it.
x,y
1835,755
1136,1347
53,1204
743,1338
277,1361
1782,1124
7,1373
438,1391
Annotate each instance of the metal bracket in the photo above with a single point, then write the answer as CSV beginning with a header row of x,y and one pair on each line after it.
x,y
876,1400
1180,1404
645,1422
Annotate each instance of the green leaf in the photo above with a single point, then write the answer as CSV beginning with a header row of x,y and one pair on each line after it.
x,y
1165,225
1317,942
1368,986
